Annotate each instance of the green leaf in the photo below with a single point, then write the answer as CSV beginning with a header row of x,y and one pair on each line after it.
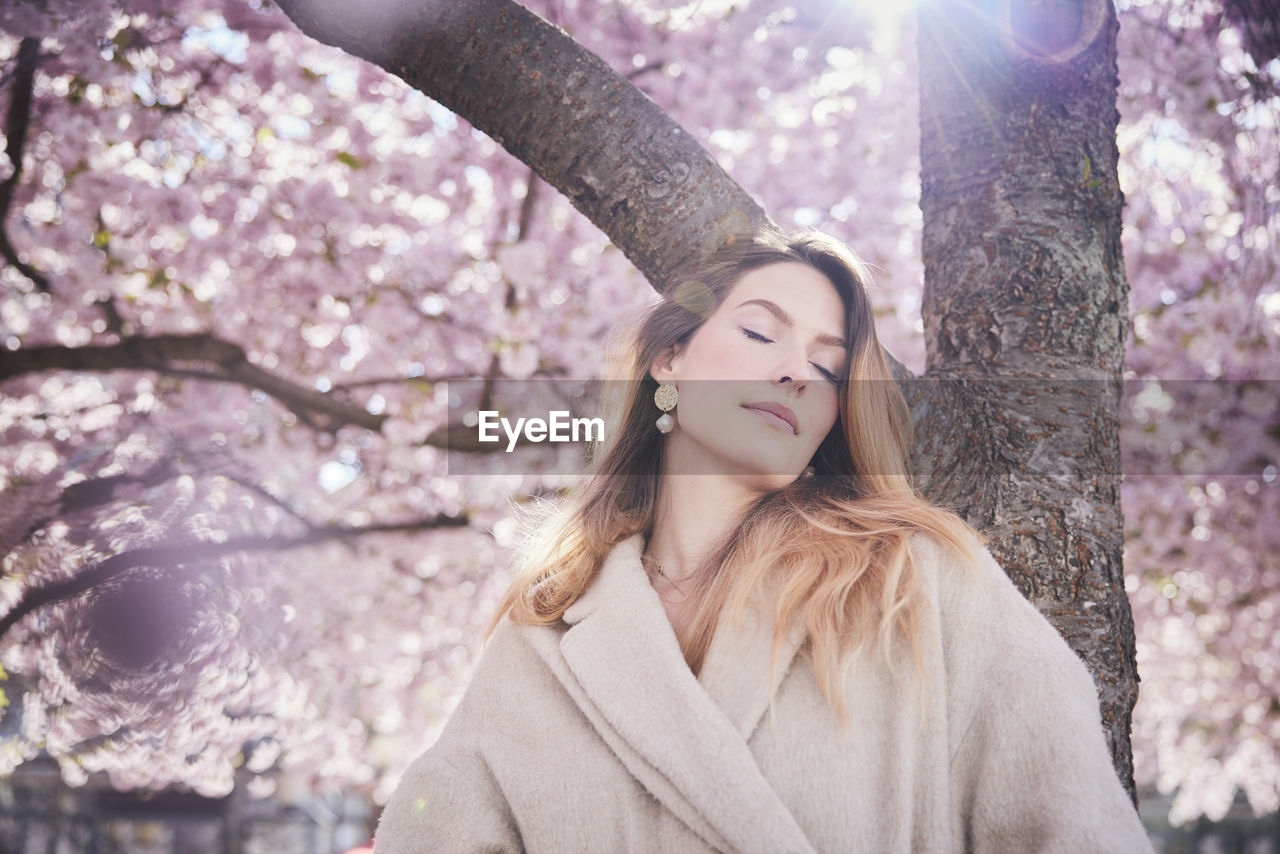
x,y
349,159
75,92
80,167
1088,168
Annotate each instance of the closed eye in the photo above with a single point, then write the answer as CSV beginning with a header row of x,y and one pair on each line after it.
x,y
756,336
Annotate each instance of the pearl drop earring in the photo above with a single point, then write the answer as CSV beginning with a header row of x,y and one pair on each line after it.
x,y
666,397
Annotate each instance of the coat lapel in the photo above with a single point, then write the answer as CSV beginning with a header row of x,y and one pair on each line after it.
x,y
685,739
736,670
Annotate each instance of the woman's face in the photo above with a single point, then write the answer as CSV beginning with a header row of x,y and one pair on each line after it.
x,y
758,380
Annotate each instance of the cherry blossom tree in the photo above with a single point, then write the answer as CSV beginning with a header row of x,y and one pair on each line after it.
x,y
1200,166
242,268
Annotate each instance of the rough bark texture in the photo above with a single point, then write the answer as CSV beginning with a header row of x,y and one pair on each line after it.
x,y
1024,308
558,107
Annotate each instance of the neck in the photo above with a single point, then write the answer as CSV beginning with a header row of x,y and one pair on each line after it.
x,y
694,512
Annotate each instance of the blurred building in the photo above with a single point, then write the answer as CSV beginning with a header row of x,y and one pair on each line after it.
x,y
39,814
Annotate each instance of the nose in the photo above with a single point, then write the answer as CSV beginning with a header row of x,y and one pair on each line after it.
x,y
794,369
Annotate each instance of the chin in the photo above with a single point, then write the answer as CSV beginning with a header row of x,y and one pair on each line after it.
x,y
768,481
763,466
781,482
767,464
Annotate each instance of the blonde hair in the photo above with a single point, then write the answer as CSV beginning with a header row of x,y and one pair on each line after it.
x,y
834,545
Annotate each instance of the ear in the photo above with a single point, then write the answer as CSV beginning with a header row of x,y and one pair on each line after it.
x,y
666,364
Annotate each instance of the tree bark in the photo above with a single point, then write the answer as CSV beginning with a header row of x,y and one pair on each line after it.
x,y
1024,310
17,122
632,170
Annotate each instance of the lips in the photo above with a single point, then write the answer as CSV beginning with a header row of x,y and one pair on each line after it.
x,y
778,411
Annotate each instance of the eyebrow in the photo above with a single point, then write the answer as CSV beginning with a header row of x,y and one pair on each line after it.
x,y
776,311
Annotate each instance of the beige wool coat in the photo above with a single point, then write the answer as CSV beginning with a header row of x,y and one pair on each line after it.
x,y
593,735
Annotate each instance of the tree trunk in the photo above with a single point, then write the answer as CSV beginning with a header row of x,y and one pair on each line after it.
x,y
559,108
1024,310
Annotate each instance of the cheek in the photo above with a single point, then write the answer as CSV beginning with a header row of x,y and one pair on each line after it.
x,y
722,353
827,410
722,358
709,401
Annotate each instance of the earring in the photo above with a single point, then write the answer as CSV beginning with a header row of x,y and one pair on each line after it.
x,y
808,472
665,398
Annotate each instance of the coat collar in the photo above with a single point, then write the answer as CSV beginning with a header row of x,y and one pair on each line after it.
x,y
684,738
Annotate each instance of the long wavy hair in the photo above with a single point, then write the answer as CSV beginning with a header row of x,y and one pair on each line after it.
x,y
832,548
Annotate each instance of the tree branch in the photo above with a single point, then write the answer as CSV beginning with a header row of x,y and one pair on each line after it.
x,y
168,353
224,361
102,490
584,128
191,552
16,122
95,492
259,489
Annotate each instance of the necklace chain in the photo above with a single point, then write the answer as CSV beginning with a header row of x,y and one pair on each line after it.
x,y
651,562
645,558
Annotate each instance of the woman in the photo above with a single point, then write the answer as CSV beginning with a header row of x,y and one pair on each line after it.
x,y
749,541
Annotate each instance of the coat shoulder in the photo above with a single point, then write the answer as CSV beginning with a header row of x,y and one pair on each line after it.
x,y
514,655
989,630
1022,702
